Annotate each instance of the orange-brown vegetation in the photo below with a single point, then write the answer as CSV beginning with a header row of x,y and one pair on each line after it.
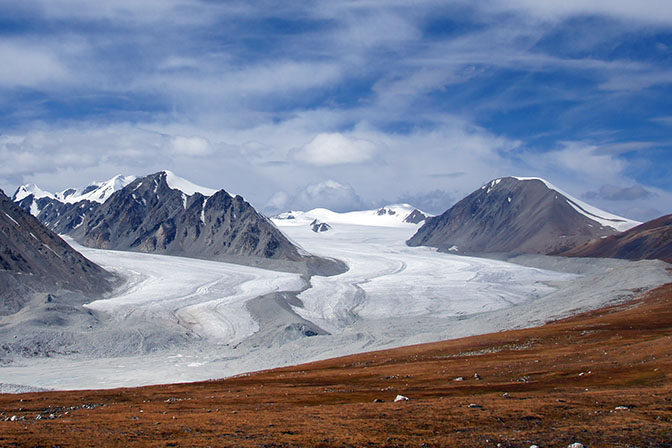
x,y
602,378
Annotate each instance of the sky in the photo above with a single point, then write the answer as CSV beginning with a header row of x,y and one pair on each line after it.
x,y
345,105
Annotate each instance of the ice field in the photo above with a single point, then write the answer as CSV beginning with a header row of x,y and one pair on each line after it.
x,y
392,295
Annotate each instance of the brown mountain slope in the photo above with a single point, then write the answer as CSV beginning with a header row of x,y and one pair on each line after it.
x,y
34,259
515,215
651,240
603,379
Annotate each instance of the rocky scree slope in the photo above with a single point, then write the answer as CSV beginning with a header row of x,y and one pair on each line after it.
x,y
33,260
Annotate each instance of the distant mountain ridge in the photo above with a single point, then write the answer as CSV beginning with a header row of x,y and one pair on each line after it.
x,y
165,214
29,195
527,215
389,215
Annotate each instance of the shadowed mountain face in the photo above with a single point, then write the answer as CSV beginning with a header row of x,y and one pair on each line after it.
x,y
34,259
149,216
651,240
515,215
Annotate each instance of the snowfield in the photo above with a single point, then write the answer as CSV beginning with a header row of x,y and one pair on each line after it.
x,y
233,319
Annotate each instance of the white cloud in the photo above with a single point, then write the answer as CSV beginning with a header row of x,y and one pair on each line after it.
x,y
328,194
191,146
29,65
335,149
277,203
648,11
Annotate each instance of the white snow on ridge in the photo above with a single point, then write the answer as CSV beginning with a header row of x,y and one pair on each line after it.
x,y
186,187
101,192
603,218
96,191
387,216
28,189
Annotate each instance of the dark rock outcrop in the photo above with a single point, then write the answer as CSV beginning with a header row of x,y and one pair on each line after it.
x,y
415,217
318,226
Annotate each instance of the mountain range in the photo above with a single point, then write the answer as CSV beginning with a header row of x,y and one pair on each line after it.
x,y
165,214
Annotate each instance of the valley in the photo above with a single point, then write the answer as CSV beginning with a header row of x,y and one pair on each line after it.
x,y
185,319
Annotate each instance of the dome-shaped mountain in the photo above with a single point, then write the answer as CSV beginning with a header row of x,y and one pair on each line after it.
x,y
513,214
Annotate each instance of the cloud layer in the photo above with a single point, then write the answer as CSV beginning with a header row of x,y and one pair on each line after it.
x,y
390,101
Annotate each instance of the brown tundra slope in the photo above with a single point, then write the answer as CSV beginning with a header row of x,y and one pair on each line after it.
x,y
651,240
603,379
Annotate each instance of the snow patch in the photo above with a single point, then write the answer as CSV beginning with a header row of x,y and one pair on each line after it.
x,y
183,185
13,220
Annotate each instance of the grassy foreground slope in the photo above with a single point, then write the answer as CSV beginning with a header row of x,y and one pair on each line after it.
x,y
602,378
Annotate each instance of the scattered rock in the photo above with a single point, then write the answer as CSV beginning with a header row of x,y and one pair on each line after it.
x,y
400,398
378,400
575,445
459,378
318,226
506,395
477,376
13,418
475,406
534,446
622,408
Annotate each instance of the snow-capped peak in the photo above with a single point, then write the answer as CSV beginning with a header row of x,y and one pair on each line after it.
x,y
96,191
26,190
600,216
186,187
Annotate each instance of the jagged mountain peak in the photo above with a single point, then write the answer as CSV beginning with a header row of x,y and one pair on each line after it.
x,y
30,189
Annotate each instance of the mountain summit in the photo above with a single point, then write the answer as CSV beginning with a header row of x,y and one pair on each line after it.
x,y
516,214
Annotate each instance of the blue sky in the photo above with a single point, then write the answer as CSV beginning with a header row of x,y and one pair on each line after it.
x,y
342,104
